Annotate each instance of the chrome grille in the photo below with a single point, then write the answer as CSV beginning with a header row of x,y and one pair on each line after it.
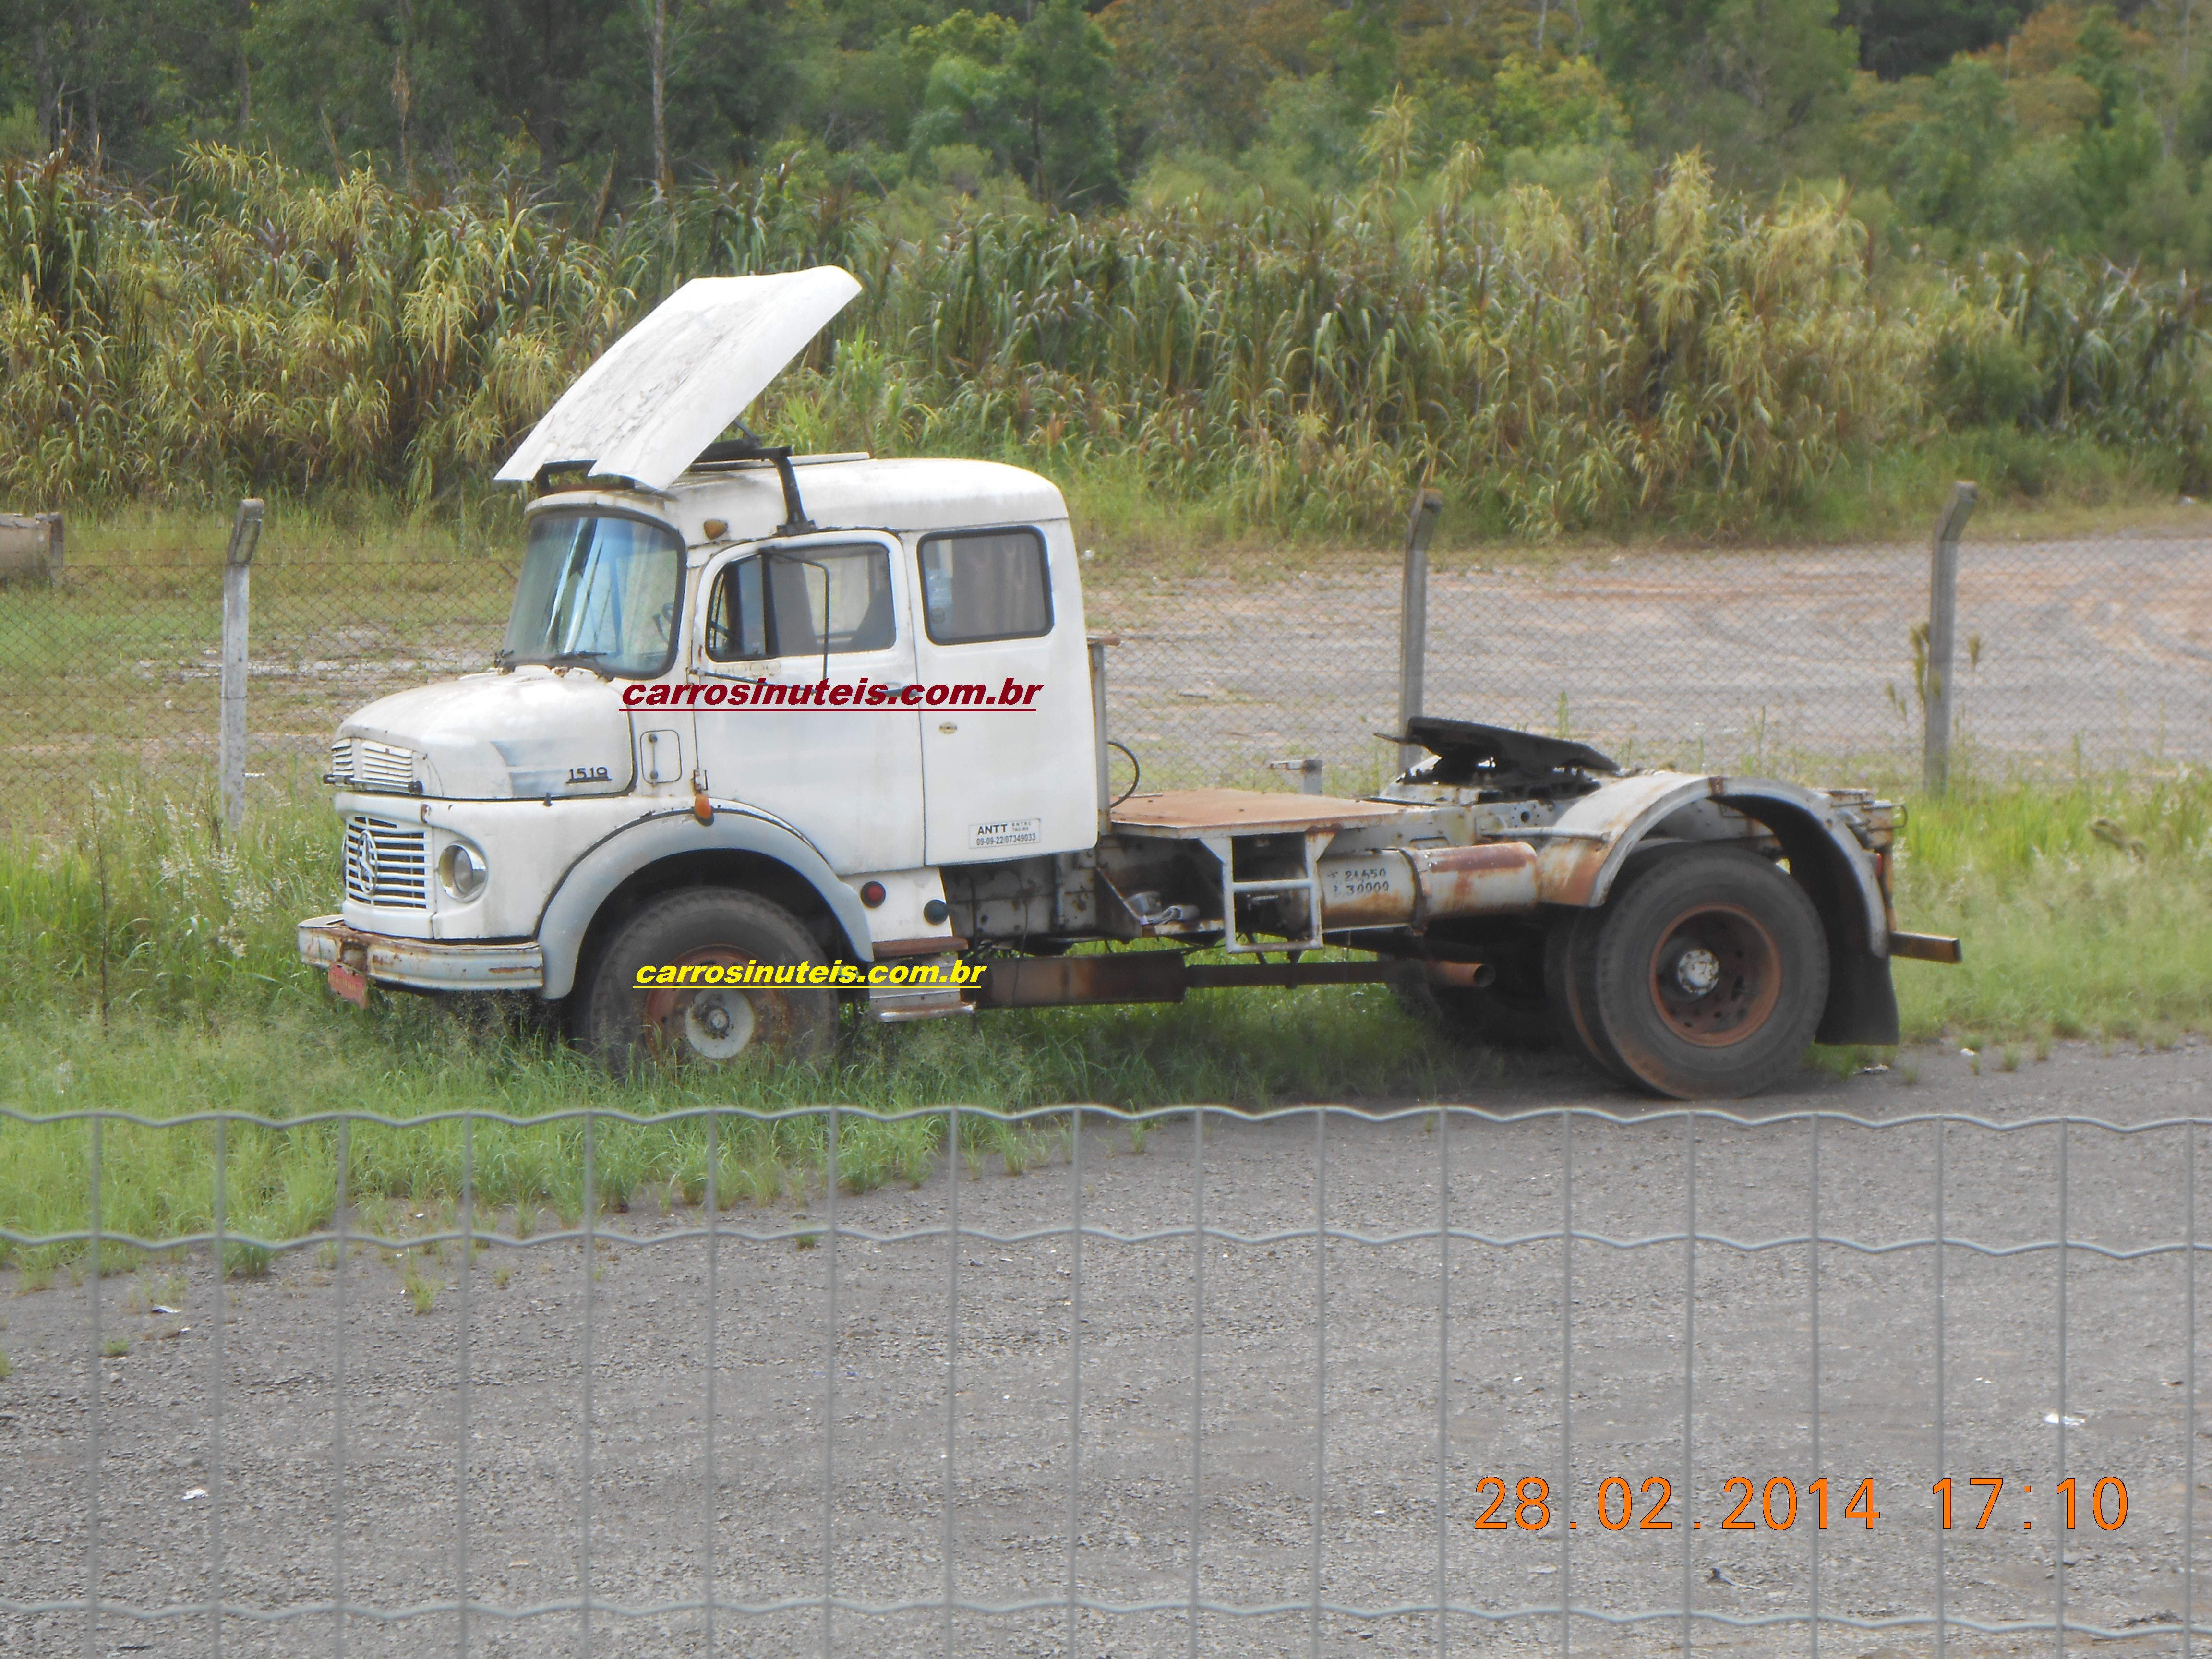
x,y
386,863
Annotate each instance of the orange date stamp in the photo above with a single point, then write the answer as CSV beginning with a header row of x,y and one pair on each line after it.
x,y
1776,1506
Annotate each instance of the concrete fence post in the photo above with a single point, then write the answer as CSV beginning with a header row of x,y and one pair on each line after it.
x,y
1414,615
1936,700
32,548
237,569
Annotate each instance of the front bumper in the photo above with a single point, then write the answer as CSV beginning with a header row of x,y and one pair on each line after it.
x,y
420,964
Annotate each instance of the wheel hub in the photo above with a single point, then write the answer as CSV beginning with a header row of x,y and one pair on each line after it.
x,y
718,1023
1696,970
1717,976
712,1023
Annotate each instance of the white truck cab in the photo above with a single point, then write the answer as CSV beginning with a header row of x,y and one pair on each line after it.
x,y
768,733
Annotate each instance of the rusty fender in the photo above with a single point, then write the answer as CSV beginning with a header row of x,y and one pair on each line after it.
x,y
1413,886
1586,846
1164,975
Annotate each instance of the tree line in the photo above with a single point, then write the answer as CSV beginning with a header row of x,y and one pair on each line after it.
x,y
1956,124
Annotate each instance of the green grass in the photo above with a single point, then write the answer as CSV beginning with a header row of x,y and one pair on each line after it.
x,y
2085,905
297,1055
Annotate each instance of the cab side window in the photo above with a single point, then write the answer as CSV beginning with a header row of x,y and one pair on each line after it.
x,y
798,602
985,585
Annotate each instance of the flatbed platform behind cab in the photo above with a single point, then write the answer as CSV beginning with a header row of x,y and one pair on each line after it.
x,y
1194,814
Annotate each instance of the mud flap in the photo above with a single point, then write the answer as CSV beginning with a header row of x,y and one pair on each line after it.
x,y
350,983
1862,1000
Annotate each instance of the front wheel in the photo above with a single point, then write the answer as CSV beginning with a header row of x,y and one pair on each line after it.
x,y
1707,976
689,1018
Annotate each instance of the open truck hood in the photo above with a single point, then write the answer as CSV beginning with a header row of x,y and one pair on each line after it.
x,y
668,388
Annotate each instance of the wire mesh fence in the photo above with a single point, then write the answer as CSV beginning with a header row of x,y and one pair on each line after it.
x,y
711,1381
122,660
2073,655
2090,654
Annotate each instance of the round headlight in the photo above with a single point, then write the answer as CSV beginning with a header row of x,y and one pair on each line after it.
x,y
461,870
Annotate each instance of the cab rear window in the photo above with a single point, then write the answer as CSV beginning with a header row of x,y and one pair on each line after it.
x,y
985,585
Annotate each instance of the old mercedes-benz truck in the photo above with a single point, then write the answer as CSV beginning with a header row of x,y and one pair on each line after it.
x,y
775,740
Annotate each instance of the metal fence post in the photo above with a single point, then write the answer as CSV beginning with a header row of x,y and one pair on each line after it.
x,y
237,569
1943,632
1413,614
1095,645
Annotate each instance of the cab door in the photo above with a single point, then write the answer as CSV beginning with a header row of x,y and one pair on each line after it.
x,y
800,639
1008,765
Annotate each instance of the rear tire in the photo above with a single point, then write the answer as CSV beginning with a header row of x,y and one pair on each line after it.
x,y
627,1027
1705,979
1570,955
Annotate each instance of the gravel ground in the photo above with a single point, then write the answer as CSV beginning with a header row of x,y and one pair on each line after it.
x,y
170,1512
1738,659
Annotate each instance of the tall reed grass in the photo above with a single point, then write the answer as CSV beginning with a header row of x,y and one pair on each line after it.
x,y
1646,351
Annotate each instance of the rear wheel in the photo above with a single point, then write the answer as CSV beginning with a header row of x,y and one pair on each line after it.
x,y
627,1025
1706,977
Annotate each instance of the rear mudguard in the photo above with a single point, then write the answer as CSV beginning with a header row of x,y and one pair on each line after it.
x,y
1581,853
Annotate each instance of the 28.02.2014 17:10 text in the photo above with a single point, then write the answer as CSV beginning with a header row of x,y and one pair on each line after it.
x,y
1774,1506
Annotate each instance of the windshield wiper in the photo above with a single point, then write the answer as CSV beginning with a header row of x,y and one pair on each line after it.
x,y
590,659
503,658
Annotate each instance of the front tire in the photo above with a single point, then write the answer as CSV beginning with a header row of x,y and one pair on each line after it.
x,y
1705,979
627,1027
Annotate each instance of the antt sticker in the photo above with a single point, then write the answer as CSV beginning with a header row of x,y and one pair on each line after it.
x,y
1005,832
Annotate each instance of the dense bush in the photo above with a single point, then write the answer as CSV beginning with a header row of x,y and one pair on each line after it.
x,y
1655,350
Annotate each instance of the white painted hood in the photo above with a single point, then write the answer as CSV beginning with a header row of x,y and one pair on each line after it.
x,y
560,734
668,388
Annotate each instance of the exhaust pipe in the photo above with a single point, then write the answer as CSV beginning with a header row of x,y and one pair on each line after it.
x,y
1417,886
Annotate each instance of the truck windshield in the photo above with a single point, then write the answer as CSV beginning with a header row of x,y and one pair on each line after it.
x,y
599,591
